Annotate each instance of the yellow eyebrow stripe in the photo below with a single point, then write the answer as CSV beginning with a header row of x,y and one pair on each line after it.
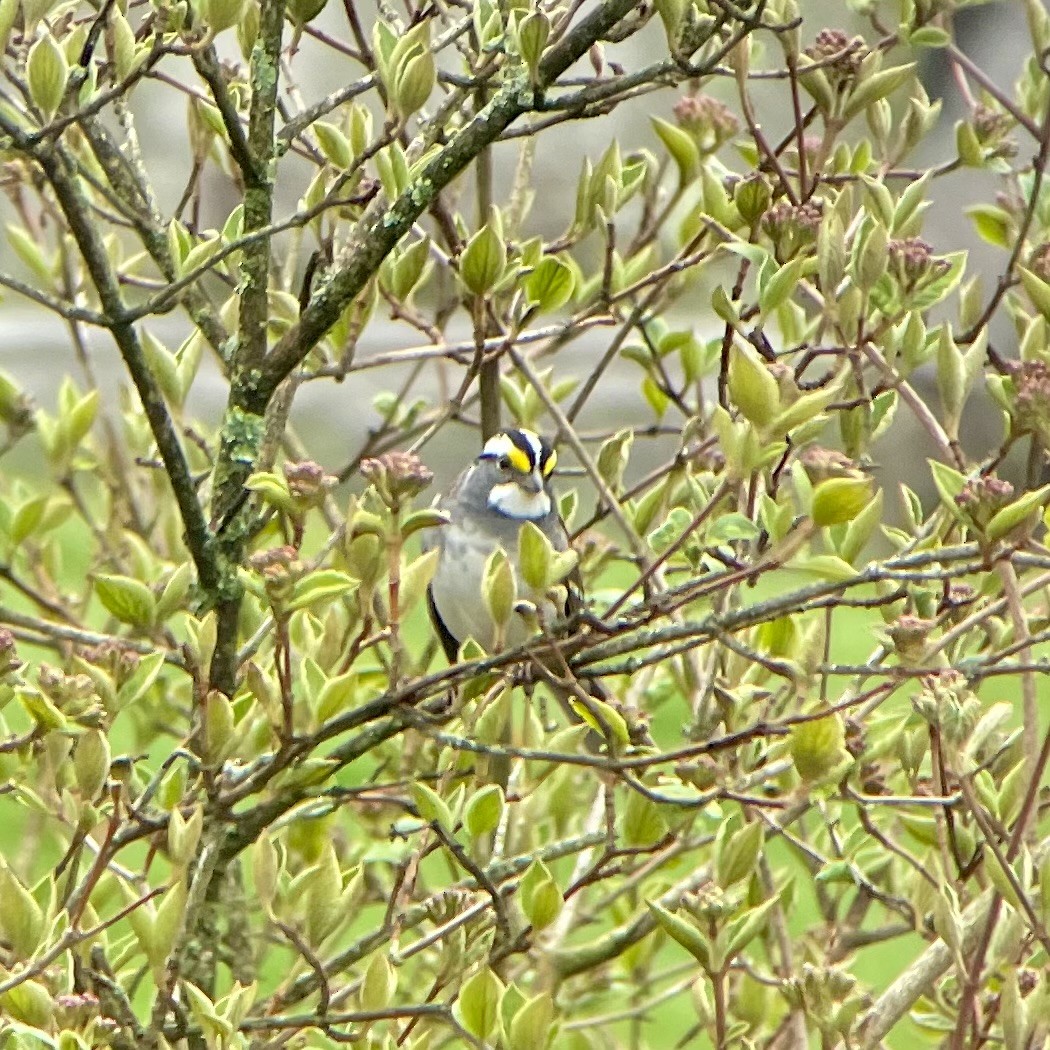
x,y
548,467
519,460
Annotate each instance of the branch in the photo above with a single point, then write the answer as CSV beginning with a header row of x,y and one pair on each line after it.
x,y
381,230
920,977
239,450
58,167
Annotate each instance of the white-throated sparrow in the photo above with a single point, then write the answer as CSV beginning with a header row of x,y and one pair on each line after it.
x,y
506,486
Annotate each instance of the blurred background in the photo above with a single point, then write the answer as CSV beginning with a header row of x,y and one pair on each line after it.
x,y
334,418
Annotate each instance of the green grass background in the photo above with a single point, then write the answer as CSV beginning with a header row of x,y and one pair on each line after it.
x,y
854,637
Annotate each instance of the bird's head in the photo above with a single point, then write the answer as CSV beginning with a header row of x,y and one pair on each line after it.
x,y
520,463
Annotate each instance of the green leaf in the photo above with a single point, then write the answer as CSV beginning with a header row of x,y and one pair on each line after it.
x,y
170,913
499,587
91,762
655,396
32,1005
752,387
643,824
672,13
220,15
992,224
21,918
431,806
754,253
929,36
949,483
26,519
408,70
163,365
41,710
534,31
682,148
736,851
678,520
968,145
483,261
724,308
8,11
910,206
79,416
1001,880
602,718
274,490
877,86
860,530
129,600
613,458
477,1007
550,285
535,555
219,727
1013,514
541,899
1038,291
29,250
743,930
325,585
141,679
484,811
415,577
200,253
384,40
684,932
838,500
302,11
816,83
728,528
334,144
379,984
870,257
175,590
779,288
402,271
883,410
717,202
336,695
802,410
393,170
531,1026
47,73
936,291
824,567
817,747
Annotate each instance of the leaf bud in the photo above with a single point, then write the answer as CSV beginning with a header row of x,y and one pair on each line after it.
x,y
47,73
379,984
499,588
91,763
478,1005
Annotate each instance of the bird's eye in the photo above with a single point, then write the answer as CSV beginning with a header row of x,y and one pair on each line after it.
x,y
504,462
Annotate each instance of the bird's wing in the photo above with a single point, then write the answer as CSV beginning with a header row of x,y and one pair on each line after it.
x,y
434,539
558,535
448,643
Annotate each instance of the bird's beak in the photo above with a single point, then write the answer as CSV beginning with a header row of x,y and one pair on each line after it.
x,y
531,483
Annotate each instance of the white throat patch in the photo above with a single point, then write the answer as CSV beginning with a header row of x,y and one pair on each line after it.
x,y
512,501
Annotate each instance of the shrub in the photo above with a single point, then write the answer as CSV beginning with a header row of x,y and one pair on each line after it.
x,y
245,804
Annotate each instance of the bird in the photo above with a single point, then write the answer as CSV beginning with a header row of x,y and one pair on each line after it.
x,y
507,485
485,509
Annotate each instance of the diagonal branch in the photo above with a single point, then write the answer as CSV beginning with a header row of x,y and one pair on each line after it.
x,y
381,229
